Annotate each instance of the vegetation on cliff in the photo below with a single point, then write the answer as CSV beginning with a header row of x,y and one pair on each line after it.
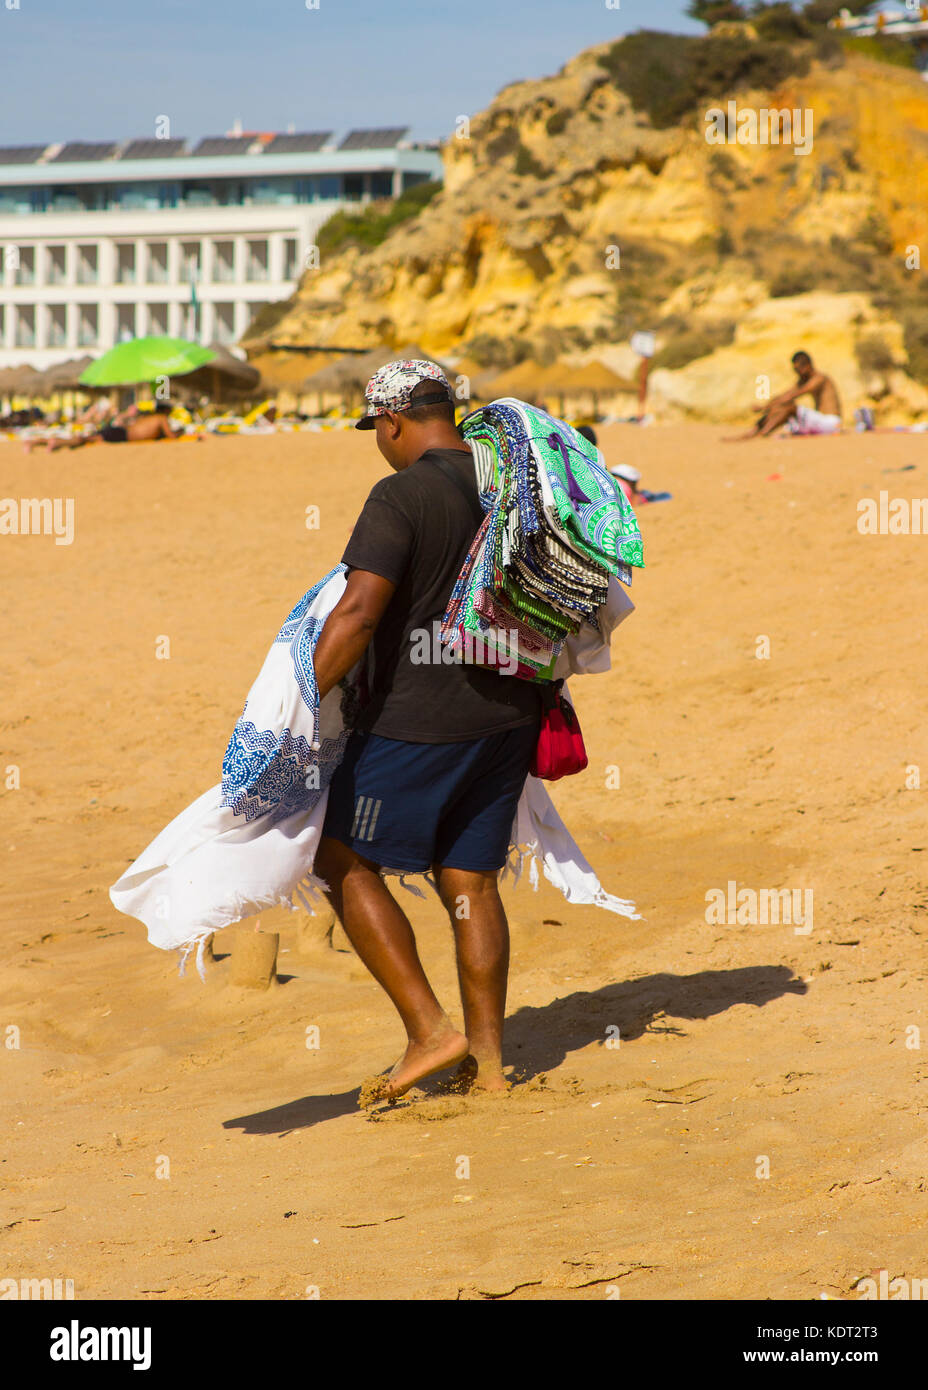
x,y
580,207
371,225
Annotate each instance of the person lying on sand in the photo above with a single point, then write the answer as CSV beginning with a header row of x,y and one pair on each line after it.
x,y
629,480
98,413
133,426
436,764
627,477
785,409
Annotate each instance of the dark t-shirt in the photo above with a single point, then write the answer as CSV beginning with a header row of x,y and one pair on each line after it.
x,y
415,529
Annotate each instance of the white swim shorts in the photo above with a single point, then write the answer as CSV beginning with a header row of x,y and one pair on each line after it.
x,y
809,421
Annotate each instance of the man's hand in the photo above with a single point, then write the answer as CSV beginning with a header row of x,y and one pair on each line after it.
x,y
350,627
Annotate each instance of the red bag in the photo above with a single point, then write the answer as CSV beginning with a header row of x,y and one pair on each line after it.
x,y
559,751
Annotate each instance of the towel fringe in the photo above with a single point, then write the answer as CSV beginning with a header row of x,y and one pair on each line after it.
x,y
196,943
410,887
309,890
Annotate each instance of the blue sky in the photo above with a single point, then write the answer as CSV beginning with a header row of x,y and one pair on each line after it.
x,y
95,69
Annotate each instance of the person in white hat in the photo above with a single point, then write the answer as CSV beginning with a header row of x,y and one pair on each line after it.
x,y
435,765
628,479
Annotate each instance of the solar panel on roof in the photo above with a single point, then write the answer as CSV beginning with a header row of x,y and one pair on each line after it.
x,y
374,139
79,150
299,143
152,149
20,154
224,144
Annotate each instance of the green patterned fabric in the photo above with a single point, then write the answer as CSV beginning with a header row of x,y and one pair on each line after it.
x,y
607,531
557,527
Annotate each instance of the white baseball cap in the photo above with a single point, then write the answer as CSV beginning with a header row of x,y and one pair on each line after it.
x,y
626,471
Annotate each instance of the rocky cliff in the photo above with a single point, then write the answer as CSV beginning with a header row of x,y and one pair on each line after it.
x,y
569,218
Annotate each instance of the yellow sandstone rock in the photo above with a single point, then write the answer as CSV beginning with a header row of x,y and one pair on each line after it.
x,y
567,220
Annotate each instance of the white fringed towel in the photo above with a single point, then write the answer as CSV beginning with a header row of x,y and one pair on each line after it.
x,y
250,843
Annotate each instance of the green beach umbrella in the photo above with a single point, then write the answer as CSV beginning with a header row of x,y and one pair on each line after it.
x,y
143,360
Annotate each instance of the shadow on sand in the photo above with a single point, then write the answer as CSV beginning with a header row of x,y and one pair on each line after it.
x,y
539,1038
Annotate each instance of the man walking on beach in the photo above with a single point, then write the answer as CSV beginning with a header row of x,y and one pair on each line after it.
x,y
435,766
822,418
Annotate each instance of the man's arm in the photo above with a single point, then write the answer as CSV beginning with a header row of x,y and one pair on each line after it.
x,y
350,626
804,388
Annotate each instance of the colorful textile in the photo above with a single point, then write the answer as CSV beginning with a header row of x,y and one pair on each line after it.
x,y
558,530
250,842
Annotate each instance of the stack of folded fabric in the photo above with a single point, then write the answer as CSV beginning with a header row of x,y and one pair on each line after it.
x,y
557,527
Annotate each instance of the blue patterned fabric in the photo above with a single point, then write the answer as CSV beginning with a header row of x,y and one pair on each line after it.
x,y
273,773
267,774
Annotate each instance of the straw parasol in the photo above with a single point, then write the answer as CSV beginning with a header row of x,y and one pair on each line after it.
x,y
286,371
596,377
341,377
23,381
226,375
525,380
65,376
475,373
351,375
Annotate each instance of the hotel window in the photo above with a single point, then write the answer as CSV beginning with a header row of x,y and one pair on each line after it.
x,y
158,320
88,265
330,186
56,265
87,326
125,264
256,266
24,274
291,258
63,199
57,326
228,193
199,195
144,195
157,262
24,332
223,262
225,324
131,196
284,191
125,322
381,185
190,268
354,186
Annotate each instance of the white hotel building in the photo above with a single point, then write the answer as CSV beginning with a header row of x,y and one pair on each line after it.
x,y
101,242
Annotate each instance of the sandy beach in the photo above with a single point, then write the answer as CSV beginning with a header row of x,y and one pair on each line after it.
x,y
759,1131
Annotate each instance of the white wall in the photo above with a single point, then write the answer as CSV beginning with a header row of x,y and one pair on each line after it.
x,y
106,231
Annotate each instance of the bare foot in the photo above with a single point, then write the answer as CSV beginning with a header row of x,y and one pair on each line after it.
x,y
442,1049
473,1077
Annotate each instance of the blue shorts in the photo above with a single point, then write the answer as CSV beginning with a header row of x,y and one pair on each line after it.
x,y
408,806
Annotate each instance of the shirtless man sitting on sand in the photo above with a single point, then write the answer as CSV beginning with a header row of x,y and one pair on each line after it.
x,y
823,418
